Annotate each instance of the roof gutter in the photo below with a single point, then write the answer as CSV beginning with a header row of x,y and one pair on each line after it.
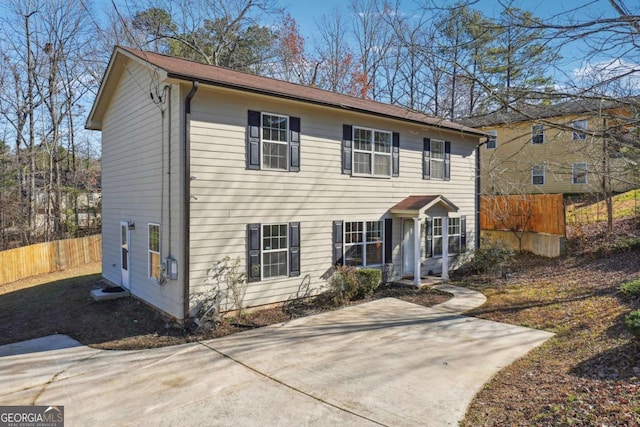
x,y
186,204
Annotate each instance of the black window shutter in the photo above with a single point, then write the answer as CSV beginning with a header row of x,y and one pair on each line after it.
x,y
294,249
253,252
429,239
463,233
447,160
347,141
388,236
338,256
294,144
426,158
253,140
395,155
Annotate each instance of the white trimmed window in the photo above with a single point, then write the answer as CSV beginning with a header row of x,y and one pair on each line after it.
x,y
537,175
154,251
437,236
492,141
579,173
363,243
275,141
454,235
437,159
275,250
537,134
580,126
371,152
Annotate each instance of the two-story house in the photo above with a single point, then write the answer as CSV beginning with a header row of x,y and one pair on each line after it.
x,y
201,162
569,147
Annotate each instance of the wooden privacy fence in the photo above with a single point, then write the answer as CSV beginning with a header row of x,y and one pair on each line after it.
x,y
537,213
16,264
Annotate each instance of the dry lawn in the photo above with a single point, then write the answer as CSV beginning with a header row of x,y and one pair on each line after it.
x,y
589,373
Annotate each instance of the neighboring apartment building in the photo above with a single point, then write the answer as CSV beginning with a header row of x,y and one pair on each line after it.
x,y
568,147
200,163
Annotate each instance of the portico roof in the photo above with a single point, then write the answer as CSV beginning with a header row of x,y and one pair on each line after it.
x,y
416,206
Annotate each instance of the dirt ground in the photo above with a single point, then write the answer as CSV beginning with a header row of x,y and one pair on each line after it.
x,y
60,303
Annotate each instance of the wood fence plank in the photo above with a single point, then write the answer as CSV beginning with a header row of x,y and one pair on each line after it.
x,y
546,211
41,258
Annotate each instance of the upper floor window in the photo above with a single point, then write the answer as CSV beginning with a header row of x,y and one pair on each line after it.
x,y
273,142
537,134
436,159
492,140
580,126
370,152
537,175
579,173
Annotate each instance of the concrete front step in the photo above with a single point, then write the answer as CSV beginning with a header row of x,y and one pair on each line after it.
x,y
106,294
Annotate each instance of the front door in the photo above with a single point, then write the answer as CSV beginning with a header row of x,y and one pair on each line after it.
x,y
124,253
407,247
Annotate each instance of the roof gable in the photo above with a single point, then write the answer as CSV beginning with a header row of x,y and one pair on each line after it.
x,y
186,70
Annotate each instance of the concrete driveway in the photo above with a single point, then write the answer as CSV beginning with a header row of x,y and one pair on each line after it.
x,y
387,362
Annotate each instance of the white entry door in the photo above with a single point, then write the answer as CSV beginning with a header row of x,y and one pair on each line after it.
x,y
407,247
124,254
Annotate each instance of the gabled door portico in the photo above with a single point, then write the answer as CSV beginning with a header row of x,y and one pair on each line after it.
x,y
417,208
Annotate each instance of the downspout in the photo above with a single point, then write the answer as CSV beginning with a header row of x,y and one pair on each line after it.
x,y
169,216
186,205
478,192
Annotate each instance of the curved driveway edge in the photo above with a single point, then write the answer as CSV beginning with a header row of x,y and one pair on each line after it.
x,y
386,362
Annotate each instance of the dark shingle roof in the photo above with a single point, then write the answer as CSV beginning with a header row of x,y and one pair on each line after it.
x,y
189,70
533,112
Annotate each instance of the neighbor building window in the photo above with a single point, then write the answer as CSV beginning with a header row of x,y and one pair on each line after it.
x,y
580,126
492,141
154,251
371,152
537,134
363,243
275,248
579,173
537,175
275,141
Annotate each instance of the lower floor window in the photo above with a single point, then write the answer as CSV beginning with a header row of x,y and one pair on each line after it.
x,y
579,173
275,248
363,243
154,251
537,175
455,235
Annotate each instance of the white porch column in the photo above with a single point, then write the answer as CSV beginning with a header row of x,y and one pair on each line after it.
x,y
445,248
417,269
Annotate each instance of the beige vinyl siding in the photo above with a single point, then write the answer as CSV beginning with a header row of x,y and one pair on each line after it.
x,y
507,168
227,196
132,181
